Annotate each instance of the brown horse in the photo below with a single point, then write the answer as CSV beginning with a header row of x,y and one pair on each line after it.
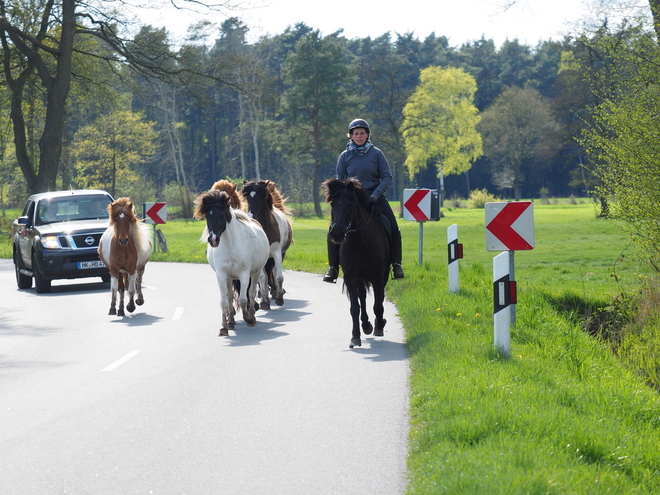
x,y
125,249
364,252
266,205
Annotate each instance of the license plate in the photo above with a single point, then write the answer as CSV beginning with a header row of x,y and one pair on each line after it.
x,y
83,265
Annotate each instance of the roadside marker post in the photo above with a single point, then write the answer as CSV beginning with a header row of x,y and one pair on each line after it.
x,y
505,298
154,213
421,205
454,253
510,227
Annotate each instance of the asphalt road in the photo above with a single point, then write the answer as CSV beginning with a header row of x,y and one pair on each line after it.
x,y
156,402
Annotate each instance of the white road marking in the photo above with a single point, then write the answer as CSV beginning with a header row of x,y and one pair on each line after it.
x,y
121,361
177,313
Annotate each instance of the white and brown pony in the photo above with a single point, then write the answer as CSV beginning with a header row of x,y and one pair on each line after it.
x,y
237,250
125,248
266,205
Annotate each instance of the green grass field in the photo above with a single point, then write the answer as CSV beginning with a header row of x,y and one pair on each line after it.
x,y
562,414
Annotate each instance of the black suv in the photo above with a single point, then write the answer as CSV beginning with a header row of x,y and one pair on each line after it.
x,y
57,237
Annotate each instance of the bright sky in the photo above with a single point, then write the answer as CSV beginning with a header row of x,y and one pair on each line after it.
x,y
460,20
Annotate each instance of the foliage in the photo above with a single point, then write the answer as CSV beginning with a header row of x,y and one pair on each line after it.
x,y
519,132
624,140
439,122
110,152
479,198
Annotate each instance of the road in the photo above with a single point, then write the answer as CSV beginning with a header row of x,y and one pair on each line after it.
x,y
156,402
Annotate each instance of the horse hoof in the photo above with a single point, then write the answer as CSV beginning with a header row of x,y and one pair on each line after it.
x,y
355,342
231,326
140,301
112,311
130,308
121,313
223,332
367,328
279,301
264,306
379,332
252,323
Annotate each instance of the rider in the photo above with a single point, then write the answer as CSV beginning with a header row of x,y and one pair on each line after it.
x,y
368,164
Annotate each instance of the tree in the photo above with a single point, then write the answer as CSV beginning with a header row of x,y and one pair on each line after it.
x,y
109,152
440,123
40,41
314,103
519,131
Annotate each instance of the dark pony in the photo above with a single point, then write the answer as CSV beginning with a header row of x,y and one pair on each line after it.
x,y
364,252
266,205
125,248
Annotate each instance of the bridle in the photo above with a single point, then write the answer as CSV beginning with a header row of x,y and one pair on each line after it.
x,y
347,228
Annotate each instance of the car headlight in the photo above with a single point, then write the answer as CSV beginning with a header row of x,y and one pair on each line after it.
x,y
50,242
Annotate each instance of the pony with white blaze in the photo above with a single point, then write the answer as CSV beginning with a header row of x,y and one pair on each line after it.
x,y
237,250
125,248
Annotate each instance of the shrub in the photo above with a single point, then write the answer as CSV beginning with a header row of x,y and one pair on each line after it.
x,y
479,198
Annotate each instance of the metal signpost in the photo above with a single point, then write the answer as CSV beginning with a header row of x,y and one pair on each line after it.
x,y
421,205
509,227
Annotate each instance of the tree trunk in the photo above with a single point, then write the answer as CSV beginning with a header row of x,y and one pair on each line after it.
x,y
655,11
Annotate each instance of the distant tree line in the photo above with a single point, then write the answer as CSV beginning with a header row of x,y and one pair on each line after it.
x,y
82,106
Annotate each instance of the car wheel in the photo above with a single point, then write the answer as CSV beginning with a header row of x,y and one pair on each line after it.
x,y
40,284
23,281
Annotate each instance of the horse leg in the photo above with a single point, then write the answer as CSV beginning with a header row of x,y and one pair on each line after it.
x,y
138,287
279,279
245,303
252,293
228,312
264,291
122,287
355,315
226,292
130,307
379,310
367,327
113,291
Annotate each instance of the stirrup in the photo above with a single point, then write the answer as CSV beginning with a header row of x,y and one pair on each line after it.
x,y
331,275
397,270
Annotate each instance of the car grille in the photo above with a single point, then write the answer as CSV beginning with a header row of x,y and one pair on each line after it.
x,y
80,241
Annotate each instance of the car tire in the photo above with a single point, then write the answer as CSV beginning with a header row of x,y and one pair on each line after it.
x,y
40,283
23,281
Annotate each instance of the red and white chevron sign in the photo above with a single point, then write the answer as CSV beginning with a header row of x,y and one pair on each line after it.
x,y
509,226
155,213
417,204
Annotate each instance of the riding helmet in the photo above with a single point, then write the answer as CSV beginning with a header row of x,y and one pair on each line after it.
x,y
359,123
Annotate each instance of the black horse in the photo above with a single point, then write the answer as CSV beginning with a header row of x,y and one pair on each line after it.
x,y
364,252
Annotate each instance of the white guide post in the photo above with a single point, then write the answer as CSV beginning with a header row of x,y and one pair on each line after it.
x,y
504,291
454,253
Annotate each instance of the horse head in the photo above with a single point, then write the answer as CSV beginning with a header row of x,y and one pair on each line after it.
x,y
214,206
122,217
235,200
258,195
343,196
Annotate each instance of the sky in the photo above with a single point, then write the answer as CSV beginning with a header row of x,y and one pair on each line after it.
x,y
461,21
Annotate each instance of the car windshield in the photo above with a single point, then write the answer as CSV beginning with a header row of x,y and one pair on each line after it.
x,y
72,208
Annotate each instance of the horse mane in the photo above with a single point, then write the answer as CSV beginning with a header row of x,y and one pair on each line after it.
x,y
235,200
207,199
119,206
333,187
278,200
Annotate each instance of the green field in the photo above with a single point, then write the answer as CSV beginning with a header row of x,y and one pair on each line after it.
x,y
562,414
